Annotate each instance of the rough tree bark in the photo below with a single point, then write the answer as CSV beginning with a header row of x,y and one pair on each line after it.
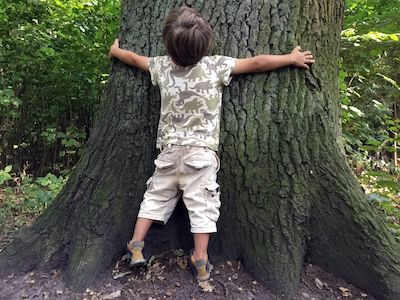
x,y
288,194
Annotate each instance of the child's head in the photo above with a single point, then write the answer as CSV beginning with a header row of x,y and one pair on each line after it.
x,y
187,36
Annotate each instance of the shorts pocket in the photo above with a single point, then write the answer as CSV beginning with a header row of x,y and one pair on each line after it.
x,y
199,160
162,162
149,183
212,197
198,163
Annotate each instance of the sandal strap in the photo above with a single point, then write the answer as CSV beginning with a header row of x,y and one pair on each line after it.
x,y
133,245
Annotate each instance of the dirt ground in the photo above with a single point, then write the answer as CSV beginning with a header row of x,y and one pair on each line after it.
x,y
167,277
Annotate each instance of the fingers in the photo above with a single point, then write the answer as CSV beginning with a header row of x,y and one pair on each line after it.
x,y
305,67
304,59
308,57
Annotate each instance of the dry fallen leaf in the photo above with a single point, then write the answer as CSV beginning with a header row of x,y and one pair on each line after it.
x,y
319,283
151,259
120,275
345,292
55,273
168,294
206,286
126,257
182,262
113,295
148,276
179,252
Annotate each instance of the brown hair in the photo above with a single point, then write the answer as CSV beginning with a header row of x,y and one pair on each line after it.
x,y
186,35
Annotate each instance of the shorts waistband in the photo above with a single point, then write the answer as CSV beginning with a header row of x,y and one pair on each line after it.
x,y
187,147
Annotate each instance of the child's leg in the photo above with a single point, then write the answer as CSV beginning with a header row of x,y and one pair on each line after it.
x,y
141,228
201,197
198,260
158,203
136,245
160,197
200,245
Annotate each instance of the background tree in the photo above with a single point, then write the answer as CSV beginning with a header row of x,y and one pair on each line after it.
x,y
288,193
369,82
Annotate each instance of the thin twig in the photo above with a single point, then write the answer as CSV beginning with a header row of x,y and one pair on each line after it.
x,y
194,292
240,289
310,287
225,288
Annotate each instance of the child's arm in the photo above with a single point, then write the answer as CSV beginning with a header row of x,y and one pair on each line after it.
x,y
262,63
129,57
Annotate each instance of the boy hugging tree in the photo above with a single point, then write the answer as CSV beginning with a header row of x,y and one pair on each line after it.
x,y
191,86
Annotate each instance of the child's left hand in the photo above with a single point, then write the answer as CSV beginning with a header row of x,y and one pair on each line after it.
x,y
302,59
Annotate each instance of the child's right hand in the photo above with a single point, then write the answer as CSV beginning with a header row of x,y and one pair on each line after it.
x,y
113,47
301,59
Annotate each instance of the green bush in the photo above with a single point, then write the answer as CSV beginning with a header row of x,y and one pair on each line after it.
x,y
27,195
53,63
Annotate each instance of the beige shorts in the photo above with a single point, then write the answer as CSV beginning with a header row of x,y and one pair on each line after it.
x,y
189,172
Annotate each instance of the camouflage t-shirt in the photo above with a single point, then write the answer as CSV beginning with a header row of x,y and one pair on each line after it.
x,y
190,99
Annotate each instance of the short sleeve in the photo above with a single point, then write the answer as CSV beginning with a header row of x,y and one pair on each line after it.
x,y
154,69
224,65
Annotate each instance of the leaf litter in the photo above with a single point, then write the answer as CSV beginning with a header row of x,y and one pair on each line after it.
x,y
168,277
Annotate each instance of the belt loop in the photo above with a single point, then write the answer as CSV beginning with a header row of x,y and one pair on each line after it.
x,y
187,147
169,146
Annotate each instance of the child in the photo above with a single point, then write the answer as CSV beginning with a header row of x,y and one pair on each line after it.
x,y
188,132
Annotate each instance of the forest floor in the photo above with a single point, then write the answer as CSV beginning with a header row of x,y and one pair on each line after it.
x,y
166,277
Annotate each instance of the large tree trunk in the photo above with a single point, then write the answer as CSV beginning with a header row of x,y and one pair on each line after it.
x,y
288,194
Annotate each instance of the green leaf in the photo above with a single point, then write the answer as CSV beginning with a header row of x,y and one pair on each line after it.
x,y
48,51
374,142
4,177
388,184
356,110
390,80
378,174
368,148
